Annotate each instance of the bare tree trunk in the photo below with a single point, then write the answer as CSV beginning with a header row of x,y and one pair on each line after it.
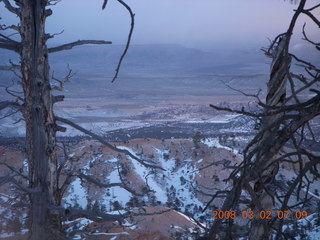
x,y
276,95
37,108
275,98
39,117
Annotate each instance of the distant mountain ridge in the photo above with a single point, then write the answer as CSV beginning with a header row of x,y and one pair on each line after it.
x,y
164,67
168,57
160,58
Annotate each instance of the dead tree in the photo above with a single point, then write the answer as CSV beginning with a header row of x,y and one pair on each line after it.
x,y
286,120
36,107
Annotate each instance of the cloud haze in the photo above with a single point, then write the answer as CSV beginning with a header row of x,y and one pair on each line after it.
x,y
195,23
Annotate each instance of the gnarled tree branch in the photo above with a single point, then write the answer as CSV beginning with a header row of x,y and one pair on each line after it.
x,y
10,8
104,142
69,46
10,45
9,68
97,182
129,36
6,104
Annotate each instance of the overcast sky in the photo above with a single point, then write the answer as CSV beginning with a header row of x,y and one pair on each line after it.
x,y
192,23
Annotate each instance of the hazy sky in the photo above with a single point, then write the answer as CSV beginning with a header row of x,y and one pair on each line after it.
x,y
194,23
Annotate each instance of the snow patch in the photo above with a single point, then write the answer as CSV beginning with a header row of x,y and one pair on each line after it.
x,y
214,142
143,172
110,234
77,194
112,160
116,193
179,181
221,119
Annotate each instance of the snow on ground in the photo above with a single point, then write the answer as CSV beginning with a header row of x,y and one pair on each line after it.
x,y
80,223
5,235
182,187
143,172
116,193
3,199
189,219
174,183
214,142
184,190
218,119
117,212
77,194
112,160
314,233
86,167
313,229
181,180
310,193
129,150
102,127
110,234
